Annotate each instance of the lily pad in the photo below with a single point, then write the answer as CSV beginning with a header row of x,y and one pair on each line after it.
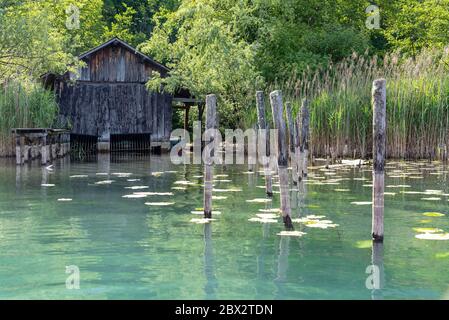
x,y
159,203
263,220
64,200
362,203
201,220
47,185
364,244
259,200
433,214
104,182
433,236
427,230
291,233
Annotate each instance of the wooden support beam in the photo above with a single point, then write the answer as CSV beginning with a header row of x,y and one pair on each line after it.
x,y
264,141
379,101
211,123
282,155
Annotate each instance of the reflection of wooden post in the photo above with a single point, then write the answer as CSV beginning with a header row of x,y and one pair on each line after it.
x,y
379,101
264,140
44,150
19,158
211,124
292,142
282,155
304,145
377,260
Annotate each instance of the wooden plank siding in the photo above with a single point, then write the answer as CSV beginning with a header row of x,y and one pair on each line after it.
x,y
109,95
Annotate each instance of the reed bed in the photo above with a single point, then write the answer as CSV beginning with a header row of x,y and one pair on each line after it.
x,y
341,112
23,106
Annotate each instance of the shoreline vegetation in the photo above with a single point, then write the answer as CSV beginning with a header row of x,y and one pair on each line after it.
x,y
322,51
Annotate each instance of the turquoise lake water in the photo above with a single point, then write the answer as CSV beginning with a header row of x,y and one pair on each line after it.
x,y
125,249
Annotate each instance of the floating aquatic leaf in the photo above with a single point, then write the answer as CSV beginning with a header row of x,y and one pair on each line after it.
x,y
157,174
154,193
399,186
442,255
101,173
427,230
179,188
431,199
47,185
270,210
342,190
433,214
64,199
184,182
171,171
248,172
267,215
291,233
262,220
223,180
201,220
433,236
133,180
390,193
312,216
364,244
361,203
159,203
313,206
259,200
134,196
219,197
227,190
105,182
425,221
321,225
137,187
79,176
199,212
221,175
122,174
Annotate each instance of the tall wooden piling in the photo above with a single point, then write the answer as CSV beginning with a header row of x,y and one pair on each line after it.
x,y
211,124
19,158
379,101
304,144
44,150
292,142
282,155
265,139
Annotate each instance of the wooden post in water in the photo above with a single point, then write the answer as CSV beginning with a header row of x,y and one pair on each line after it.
x,y
379,101
211,124
304,145
282,155
292,142
263,126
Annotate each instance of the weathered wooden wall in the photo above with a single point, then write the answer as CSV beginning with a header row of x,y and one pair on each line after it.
x,y
94,108
110,96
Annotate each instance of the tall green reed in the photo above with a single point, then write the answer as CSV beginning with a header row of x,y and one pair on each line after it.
x,y
24,106
341,112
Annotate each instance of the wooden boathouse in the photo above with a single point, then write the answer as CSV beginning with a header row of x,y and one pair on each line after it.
x,y
107,100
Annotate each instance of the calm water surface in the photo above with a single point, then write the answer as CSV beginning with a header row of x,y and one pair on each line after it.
x,y
128,250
